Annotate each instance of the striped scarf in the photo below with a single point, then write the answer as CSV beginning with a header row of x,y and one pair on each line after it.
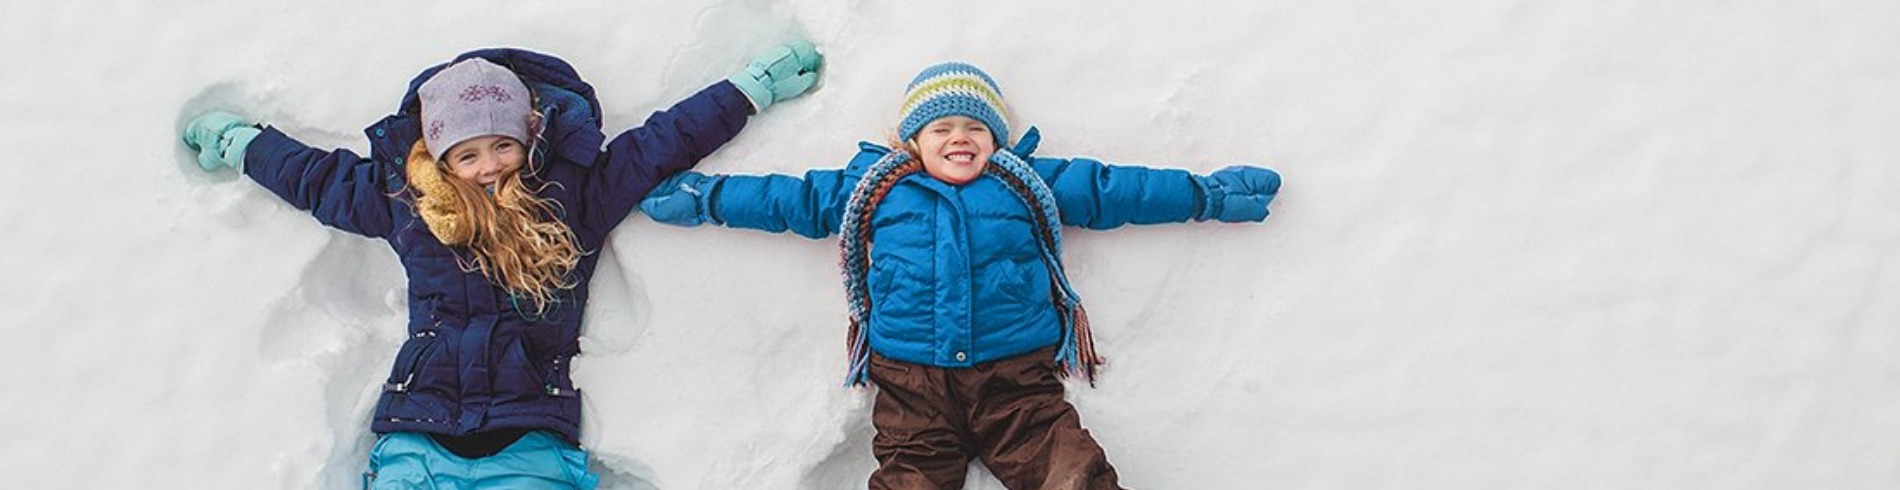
x,y
1077,354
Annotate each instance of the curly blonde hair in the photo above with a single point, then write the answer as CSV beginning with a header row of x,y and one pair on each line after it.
x,y
514,237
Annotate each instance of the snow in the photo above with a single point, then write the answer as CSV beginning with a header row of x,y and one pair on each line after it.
x,y
1566,244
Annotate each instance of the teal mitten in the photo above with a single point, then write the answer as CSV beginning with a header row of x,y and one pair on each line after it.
x,y
220,139
784,72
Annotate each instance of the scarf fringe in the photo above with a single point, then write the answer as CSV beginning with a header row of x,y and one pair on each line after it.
x,y
1077,356
859,372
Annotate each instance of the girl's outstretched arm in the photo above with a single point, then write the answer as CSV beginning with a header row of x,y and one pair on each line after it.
x,y
668,142
341,189
674,140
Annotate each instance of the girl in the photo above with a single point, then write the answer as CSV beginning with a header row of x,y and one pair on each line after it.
x,y
952,256
491,184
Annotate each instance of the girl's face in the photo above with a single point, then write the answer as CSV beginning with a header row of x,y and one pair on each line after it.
x,y
954,148
483,160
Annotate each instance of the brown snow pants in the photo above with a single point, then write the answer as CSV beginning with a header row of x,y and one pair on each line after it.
x,y
1009,414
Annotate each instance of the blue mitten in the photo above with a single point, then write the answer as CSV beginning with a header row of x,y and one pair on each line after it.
x,y
781,73
220,139
684,199
1237,194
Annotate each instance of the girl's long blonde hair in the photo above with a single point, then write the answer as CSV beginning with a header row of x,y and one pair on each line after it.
x,y
514,237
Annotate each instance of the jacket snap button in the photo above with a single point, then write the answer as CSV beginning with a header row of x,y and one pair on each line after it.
x,y
379,132
960,357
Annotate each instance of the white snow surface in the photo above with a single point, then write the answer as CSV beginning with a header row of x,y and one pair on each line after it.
x,y
1568,244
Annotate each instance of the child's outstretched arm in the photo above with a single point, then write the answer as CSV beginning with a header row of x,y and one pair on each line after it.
x,y
1096,195
674,140
341,189
811,206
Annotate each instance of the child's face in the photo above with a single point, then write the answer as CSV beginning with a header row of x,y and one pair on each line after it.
x,y
483,160
954,148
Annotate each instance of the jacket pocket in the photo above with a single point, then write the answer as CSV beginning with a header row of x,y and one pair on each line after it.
x,y
519,376
1016,287
899,290
410,360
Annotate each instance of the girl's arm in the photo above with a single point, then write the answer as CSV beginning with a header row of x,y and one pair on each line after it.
x,y
674,140
669,142
811,206
1100,196
341,189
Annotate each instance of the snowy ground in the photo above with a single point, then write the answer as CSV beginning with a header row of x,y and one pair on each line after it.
x,y
1565,245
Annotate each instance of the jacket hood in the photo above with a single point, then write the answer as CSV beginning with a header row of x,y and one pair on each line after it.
x,y
571,113
532,67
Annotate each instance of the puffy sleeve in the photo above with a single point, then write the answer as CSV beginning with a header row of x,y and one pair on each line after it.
x,y
669,142
811,206
340,188
1092,194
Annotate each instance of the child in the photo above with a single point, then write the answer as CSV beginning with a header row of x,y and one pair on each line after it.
x,y
491,184
952,256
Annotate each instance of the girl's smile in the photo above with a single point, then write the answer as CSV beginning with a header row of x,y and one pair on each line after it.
x,y
482,160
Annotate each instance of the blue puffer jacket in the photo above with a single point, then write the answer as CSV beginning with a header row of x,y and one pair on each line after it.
x,y
473,361
957,277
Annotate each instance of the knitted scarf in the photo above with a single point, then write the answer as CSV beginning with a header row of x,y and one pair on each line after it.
x,y
1077,353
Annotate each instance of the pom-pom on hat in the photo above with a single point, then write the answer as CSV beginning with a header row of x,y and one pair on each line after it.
x,y
953,89
471,99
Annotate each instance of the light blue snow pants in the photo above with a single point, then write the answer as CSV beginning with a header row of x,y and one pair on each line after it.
x,y
540,460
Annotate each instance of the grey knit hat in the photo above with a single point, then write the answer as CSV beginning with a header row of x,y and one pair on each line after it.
x,y
471,99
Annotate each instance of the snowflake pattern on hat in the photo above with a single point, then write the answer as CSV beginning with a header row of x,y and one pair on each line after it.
x,y
469,99
476,93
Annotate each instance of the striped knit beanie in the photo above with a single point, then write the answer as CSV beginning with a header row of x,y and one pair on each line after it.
x,y
953,89
1076,356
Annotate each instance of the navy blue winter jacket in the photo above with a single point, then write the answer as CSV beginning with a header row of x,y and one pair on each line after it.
x,y
956,273
474,362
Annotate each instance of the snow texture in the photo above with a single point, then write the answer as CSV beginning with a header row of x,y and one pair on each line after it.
x,y
1566,244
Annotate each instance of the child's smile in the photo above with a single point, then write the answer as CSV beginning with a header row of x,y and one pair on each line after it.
x,y
955,148
482,160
